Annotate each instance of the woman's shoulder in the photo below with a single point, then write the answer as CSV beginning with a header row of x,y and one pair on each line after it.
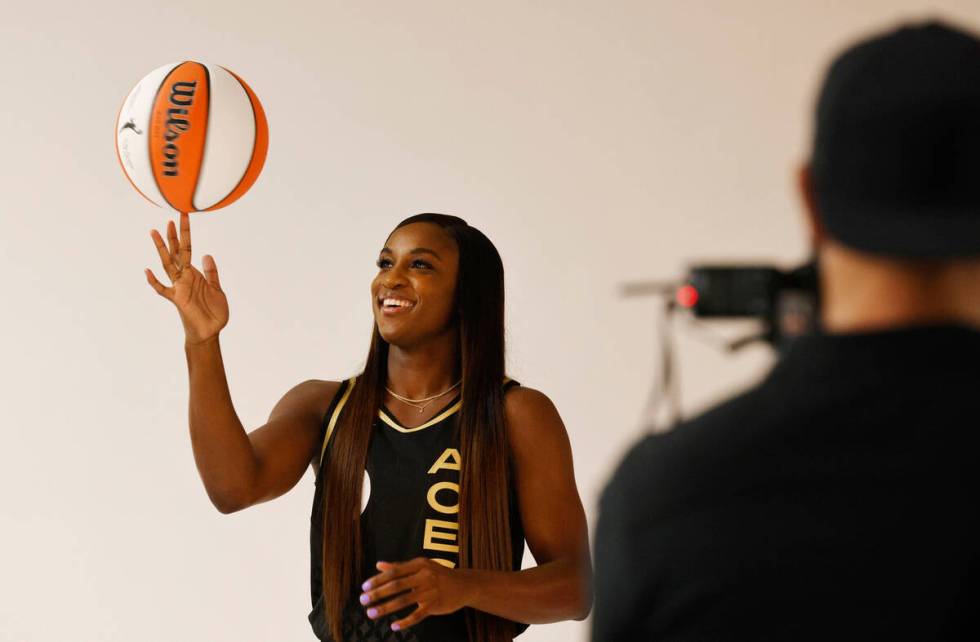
x,y
528,408
325,397
520,398
535,430
324,394
322,388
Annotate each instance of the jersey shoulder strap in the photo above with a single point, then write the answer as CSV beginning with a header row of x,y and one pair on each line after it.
x,y
333,413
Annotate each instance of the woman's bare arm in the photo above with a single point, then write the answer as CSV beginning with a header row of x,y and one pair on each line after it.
x,y
290,440
560,586
238,469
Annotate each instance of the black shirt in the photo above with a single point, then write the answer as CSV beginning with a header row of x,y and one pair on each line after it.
x,y
409,508
835,500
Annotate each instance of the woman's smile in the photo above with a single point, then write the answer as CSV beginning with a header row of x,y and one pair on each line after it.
x,y
391,305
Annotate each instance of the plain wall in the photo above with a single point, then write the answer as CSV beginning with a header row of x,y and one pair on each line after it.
x,y
594,142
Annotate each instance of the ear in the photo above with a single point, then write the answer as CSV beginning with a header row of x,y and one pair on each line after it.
x,y
815,227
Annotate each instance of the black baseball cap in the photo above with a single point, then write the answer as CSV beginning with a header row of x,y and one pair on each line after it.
x,y
896,148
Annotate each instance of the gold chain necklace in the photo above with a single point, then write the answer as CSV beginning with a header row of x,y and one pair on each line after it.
x,y
415,402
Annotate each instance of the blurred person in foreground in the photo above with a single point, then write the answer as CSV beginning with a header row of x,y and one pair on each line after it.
x,y
836,499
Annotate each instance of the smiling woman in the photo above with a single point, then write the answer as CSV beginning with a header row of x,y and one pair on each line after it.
x,y
432,467
453,493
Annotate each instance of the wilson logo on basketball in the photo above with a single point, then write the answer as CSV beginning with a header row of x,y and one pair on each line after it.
x,y
181,98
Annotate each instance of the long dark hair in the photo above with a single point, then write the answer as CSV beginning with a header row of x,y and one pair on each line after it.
x,y
485,475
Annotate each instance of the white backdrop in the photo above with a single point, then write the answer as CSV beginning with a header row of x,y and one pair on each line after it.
x,y
594,142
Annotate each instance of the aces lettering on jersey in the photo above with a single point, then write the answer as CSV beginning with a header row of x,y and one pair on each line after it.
x,y
443,498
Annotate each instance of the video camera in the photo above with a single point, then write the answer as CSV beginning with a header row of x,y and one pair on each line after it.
x,y
785,302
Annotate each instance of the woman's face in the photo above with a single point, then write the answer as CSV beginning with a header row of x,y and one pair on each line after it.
x,y
414,290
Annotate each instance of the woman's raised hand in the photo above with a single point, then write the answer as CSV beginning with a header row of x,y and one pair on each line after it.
x,y
200,302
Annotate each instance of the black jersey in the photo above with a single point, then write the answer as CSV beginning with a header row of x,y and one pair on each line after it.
x,y
409,508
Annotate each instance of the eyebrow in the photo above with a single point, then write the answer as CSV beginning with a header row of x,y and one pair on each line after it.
x,y
418,250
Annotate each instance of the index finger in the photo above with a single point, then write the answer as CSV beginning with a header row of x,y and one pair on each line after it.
x,y
394,571
185,239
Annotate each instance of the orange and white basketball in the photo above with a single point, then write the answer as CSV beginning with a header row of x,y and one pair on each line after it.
x,y
192,136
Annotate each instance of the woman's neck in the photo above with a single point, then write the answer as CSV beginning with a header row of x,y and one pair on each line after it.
x,y
424,370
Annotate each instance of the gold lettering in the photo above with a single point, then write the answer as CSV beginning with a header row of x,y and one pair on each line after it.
x,y
432,534
434,499
445,563
444,461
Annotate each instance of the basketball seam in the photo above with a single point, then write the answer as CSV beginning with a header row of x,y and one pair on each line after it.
x,y
204,150
255,139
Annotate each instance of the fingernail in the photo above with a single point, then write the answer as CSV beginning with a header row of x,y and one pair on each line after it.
x,y
366,585
372,612
395,626
364,598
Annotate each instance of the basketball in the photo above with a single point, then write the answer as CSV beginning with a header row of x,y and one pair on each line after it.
x,y
191,136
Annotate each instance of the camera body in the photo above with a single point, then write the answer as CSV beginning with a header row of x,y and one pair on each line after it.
x,y
787,302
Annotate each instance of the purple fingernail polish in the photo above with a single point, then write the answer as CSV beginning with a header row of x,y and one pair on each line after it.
x,y
372,612
395,626
364,598
366,585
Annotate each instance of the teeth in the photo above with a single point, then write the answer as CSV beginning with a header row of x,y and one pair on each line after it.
x,y
397,303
